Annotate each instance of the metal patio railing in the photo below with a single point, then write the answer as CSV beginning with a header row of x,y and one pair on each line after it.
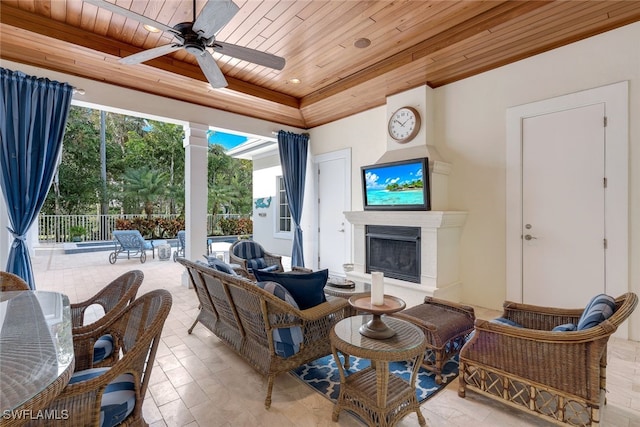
x,y
59,228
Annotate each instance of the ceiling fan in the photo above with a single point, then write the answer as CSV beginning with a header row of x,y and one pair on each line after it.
x,y
196,37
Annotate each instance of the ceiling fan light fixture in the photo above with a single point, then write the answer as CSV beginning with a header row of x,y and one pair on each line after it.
x,y
151,29
362,43
295,81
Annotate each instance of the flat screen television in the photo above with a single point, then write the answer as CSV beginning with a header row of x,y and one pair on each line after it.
x,y
402,185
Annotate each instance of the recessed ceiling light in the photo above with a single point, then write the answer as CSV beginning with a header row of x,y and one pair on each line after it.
x,y
362,43
150,28
295,81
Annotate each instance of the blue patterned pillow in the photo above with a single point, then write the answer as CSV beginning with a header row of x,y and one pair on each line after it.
x,y
600,308
286,340
306,288
119,396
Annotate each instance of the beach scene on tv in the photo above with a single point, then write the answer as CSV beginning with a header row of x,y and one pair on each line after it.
x,y
395,185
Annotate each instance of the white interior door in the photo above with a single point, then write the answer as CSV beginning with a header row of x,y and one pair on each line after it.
x,y
333,199
563,206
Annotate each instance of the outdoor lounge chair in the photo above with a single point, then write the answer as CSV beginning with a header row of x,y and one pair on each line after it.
x,y
181,245
130,243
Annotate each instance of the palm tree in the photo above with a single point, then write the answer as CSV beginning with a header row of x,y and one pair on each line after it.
x,y
146,185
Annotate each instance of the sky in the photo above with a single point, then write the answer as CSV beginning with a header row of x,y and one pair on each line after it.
x,y
227,140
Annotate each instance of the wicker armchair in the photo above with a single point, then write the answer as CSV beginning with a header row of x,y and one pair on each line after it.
x,y
249,255
12,282
113,298
137,331
557,376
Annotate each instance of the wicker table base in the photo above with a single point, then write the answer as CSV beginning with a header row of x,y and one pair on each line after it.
x,y
381,398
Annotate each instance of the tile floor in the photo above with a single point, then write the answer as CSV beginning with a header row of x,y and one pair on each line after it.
x,y
197,381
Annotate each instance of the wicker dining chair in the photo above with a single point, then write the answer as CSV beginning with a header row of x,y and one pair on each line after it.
x,y
113,298
12,282
116,393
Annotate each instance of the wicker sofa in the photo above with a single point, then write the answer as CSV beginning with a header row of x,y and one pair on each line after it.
x,y
244,317
557,376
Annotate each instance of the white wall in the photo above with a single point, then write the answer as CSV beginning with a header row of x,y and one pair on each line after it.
x,y
470,134
265,171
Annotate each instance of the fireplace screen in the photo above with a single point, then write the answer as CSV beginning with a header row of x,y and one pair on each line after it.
x,y
395,251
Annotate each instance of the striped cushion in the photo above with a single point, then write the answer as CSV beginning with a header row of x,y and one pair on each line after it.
x,y
248,250
256,263
600,308
119,397
566,327
286,340
102,348
505,321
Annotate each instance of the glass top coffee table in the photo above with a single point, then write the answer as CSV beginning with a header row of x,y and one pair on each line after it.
x,y
375,394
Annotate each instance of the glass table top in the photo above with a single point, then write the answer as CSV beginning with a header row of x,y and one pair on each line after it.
x,y
36,344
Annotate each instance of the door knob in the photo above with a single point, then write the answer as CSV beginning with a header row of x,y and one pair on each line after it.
x,y
341,230
529,237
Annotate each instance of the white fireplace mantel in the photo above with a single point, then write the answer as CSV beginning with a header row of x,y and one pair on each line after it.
x,y
439,251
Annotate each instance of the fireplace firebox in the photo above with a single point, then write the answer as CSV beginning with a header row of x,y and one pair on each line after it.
x,y
393,250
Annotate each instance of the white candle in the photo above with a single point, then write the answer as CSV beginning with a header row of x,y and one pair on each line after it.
x,y
377,288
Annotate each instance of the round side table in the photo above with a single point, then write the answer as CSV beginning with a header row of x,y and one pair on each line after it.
x,y
378,396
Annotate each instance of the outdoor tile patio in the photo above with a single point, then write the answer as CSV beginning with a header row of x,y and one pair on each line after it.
x,y
197,381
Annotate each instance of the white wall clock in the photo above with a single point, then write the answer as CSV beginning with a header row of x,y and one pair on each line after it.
x,y
404,124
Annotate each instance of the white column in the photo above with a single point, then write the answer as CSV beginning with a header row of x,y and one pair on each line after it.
x,y
195,194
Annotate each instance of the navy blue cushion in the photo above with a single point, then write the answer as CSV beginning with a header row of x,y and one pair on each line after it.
x,y
102,348
119,396
287,340
220,265
505,321
306,288
600,308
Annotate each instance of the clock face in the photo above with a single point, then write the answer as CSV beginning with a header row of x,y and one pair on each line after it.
x,y
404,124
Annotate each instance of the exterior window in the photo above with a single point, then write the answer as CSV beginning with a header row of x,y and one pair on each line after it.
x,y
284,215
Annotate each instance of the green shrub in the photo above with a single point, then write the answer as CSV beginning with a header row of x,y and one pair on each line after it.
x,y
235,226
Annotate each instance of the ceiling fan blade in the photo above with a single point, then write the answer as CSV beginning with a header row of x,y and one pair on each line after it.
x,y
214,15
129,14
251,55
211,70
148,54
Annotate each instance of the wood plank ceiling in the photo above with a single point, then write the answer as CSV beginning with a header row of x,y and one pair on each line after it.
x,y
413,42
